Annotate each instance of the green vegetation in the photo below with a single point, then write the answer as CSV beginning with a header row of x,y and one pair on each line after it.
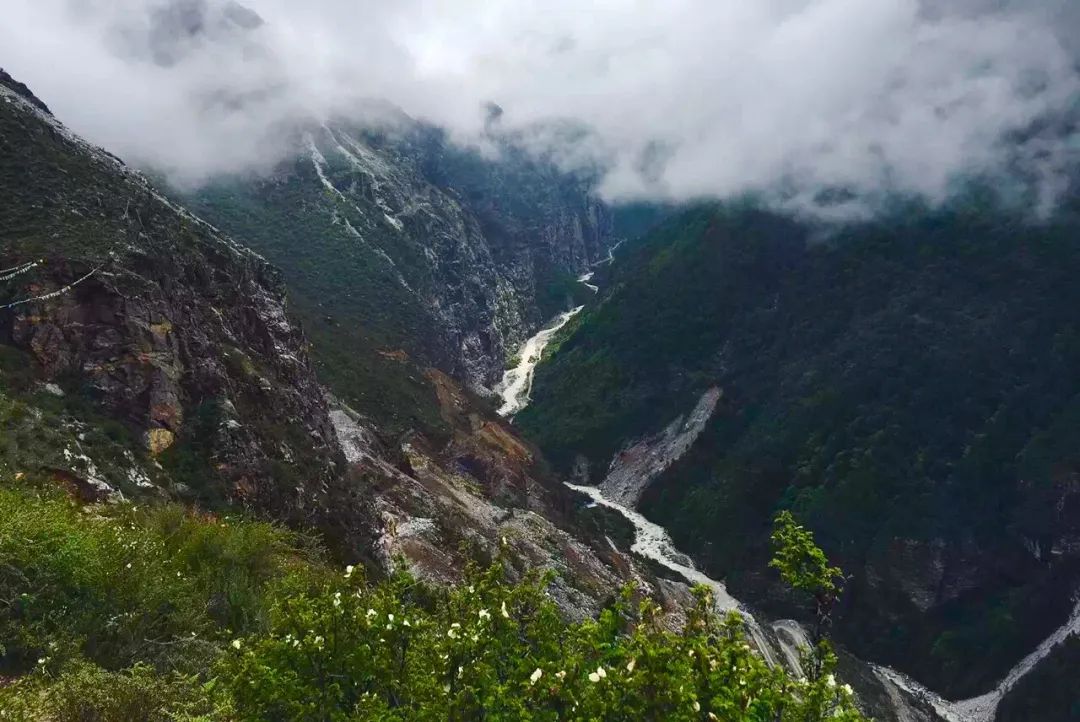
x,y
114,610
415,224
906,386
119,613
804,567
347,297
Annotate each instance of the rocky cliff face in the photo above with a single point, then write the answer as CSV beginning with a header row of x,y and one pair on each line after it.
x,y
423,245
442,505
156,319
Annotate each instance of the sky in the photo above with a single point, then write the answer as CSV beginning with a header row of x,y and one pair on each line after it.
x,y
674,100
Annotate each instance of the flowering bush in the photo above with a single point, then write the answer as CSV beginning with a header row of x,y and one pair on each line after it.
x,y
117,614
497,651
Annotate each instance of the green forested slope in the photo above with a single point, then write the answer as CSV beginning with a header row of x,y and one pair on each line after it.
x,y
909,387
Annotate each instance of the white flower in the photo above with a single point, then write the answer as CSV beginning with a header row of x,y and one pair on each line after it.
x,y
390,617
561,673
536,675
471,589
697,706
847,689
594,677
405,622
371,613
830,681
236,643
630,665
505,613
318,641
446,688
349,571
129,565
484,614
43,660
601,672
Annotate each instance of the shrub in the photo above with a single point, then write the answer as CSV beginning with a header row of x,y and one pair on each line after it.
x,y
497,651
117,613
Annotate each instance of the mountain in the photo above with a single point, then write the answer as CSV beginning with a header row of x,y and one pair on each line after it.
x,y
147,355
118,305
394,239
906,386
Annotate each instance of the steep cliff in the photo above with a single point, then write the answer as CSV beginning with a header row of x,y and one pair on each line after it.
x,y
127,305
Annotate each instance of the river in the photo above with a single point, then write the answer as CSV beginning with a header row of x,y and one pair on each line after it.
x,y
780,641
516,384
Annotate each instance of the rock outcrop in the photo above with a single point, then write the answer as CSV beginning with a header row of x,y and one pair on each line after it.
x,y
162,323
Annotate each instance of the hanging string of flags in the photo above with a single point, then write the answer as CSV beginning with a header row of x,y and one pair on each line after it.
x,y
8,273
50,295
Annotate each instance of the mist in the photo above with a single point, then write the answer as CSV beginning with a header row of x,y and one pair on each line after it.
x,y
671,101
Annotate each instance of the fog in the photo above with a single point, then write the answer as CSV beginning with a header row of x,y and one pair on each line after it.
x,y
672,100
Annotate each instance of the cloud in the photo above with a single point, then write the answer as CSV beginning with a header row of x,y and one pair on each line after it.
x,y
674,100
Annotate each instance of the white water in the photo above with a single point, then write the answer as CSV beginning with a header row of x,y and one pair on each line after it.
x,y
652,542
792,639
584,280
516,384
984,707
610,258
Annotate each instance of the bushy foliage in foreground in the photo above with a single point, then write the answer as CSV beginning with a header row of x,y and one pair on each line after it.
x,y
156,614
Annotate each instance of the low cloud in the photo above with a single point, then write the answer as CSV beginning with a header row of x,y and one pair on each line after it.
x,y
673,100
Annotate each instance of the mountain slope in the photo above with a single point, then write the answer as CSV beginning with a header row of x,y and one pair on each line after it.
x,y
394,239
153,319
907,387
143,353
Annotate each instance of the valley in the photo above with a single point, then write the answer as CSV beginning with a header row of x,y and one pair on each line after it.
x,y
557,368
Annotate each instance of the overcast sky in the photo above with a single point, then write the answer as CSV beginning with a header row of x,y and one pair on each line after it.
x,y
683,98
